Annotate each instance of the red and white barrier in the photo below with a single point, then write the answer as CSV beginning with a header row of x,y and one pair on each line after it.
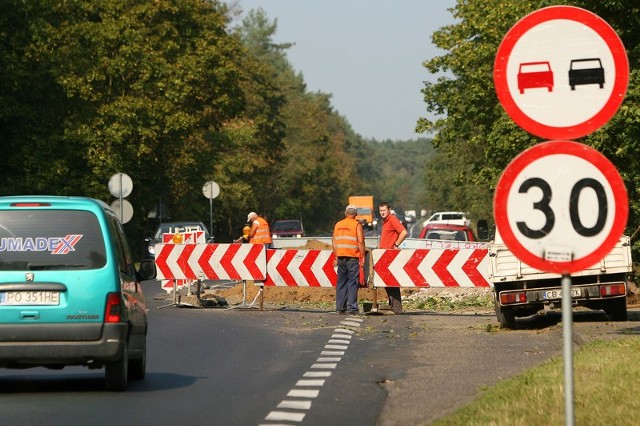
x,y
211,261
300,268
171,285
431,268
314,268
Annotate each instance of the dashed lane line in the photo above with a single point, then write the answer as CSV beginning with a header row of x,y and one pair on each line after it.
x,y
316,377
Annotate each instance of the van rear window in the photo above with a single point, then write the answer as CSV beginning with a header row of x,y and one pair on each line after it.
x,y
50,239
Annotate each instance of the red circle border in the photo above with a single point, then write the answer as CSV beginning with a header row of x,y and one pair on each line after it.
x,y
589,19
555,147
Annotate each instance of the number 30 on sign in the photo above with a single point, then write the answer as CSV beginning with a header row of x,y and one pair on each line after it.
x,y
560,206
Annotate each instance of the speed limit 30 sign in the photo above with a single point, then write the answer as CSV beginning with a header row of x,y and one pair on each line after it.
x,y
560,206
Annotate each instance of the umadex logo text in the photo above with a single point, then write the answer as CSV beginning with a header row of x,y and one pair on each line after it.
x,y
56,245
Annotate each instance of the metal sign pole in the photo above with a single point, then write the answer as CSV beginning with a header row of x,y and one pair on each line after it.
x,y
121,205
567,337
211,210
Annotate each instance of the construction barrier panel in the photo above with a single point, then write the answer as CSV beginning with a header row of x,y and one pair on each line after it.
x,y
431,268
406,268
211,261
300,268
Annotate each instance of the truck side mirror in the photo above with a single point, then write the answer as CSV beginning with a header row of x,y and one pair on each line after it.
x,y
483,230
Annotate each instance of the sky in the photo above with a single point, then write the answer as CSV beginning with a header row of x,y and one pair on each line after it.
x,y
367,54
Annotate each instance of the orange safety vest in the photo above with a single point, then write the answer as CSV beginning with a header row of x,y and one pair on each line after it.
x,y
262,235
345,237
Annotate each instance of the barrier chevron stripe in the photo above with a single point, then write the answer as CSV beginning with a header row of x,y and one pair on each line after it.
x,y
211,261
431,268
300,268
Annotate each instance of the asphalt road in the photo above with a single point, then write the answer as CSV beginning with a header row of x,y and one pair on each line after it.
x,y
248,367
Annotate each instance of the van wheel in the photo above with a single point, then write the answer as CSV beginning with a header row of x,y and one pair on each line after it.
x,y
116,372
138,366
617,309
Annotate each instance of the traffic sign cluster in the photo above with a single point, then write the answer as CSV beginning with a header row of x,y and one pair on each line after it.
x,y
561,73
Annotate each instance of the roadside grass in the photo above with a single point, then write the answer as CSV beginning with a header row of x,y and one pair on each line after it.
x,y
606,390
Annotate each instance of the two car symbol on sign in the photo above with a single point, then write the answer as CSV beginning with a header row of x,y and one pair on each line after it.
x,y
539,74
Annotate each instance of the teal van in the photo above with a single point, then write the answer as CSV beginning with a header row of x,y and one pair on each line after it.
x,y
69,290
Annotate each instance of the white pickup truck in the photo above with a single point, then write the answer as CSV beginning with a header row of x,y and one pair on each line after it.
x,y
520,290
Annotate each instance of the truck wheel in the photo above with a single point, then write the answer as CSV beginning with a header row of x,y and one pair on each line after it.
x,y
116,372
507,318
617,309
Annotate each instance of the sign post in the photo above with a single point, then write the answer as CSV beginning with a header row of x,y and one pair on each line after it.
x,y
211,190
561,73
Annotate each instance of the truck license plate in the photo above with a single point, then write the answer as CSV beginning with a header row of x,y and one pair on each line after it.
x,y
557,294
30,298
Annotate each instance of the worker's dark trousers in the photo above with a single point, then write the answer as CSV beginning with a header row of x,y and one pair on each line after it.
x,y
395,300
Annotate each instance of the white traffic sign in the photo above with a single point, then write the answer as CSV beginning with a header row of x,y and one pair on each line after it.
x,y
561,72
211,190
120,185
560,206
123,209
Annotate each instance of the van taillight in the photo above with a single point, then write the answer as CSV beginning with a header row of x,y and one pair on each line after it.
x,y
30,205
113,312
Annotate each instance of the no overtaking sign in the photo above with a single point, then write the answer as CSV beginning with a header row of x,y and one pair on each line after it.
x,y
561,72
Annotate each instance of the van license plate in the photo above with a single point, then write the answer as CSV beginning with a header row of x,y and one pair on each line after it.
x,y
557,294
30,298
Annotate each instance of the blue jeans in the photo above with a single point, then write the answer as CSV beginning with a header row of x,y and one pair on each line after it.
x,y
347,285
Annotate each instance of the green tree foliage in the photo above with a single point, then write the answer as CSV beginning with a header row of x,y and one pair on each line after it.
x,y
159,90
167,92
475,138
313,179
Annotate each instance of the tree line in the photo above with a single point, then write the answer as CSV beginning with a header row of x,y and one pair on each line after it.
x,y
173,94
176,93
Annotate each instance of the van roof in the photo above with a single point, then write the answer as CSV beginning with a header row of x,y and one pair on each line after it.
x,y
52,201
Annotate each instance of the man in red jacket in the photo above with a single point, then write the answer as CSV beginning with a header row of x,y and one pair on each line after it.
x,y
391,236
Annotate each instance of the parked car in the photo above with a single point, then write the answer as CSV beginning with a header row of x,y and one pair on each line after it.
x,y
454,218
69,291
287,228
448,232
175,228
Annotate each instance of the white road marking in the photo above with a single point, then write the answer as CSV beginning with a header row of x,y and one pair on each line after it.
x,y
341,336
298,405
317,374
325,365
285,415
303,393
328,360
307,382
332,353
336,347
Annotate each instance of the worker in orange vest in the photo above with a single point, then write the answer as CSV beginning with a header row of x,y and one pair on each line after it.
x,y
260,233
349,251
